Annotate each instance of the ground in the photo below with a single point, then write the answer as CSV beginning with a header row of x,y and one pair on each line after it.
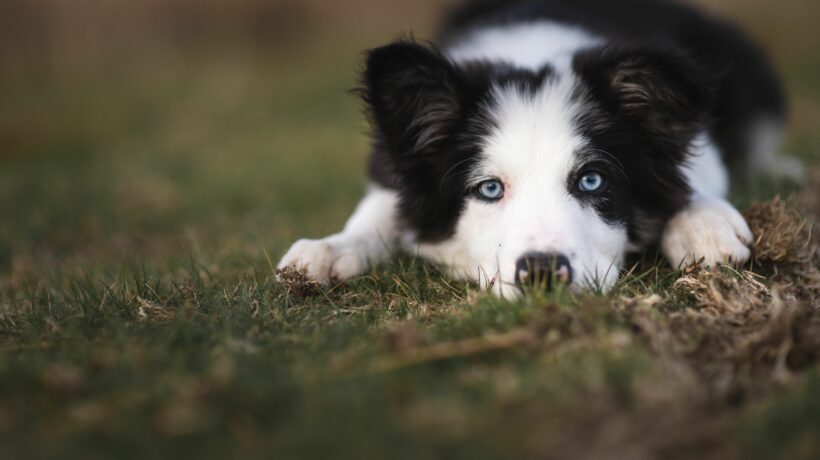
x,y
145,198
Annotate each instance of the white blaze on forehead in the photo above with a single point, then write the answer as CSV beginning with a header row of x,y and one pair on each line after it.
x,y
530,46
534,135
533,148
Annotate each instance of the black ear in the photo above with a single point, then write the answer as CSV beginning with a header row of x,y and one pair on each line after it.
x,y
411,94
661,89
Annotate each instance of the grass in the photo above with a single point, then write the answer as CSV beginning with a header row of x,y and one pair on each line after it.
x,y
143,206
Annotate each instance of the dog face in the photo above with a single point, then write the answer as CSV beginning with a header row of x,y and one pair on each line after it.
x,y
519,178
542,199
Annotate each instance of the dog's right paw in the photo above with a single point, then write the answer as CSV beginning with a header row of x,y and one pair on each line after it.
x,y
327,260
709,229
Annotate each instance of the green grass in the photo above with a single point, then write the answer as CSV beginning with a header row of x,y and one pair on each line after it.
x,y
142,209
221,364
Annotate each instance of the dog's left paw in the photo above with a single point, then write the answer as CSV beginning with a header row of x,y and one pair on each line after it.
x,y
708,229
331,259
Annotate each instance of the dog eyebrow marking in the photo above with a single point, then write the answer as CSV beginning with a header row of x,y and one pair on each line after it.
x,y
447,175
592,155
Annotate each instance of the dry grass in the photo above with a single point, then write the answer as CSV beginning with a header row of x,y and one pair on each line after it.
x,y
296,284
781,233
738,330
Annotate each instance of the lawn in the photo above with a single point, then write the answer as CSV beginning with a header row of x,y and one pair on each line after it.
x,y
146,196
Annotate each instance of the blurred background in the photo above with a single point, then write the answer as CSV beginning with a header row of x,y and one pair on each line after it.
x,y
142,130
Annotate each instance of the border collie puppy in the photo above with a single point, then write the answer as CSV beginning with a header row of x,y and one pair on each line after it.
x,y
541,141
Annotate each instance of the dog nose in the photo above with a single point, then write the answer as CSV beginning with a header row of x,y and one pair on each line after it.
x,y
542,270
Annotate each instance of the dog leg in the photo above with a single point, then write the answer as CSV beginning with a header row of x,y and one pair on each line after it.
x,y
708,228
765,140
368,238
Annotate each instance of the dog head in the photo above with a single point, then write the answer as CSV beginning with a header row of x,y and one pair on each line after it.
x,y
536,176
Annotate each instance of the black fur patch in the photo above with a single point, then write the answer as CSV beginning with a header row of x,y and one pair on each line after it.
x,y
748,87
643,108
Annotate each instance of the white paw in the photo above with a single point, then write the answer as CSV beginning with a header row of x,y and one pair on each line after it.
x,y
331,259
708,229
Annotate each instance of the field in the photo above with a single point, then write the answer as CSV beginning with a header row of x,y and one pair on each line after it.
x,y
156,163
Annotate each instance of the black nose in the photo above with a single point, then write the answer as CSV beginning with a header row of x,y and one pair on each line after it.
x,y
542,270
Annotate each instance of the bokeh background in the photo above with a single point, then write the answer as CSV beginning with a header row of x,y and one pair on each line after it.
x,y
134,131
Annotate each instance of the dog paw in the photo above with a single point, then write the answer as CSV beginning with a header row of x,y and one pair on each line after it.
x,y
327,260
708,229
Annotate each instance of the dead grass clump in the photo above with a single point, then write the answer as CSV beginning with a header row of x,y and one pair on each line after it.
x,y
149,311
297,283
806,284
809,198
787,342
736,335
781,233
720,291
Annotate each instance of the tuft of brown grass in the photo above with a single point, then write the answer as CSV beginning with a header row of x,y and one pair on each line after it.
x,y
148,311
718,291
739,331
781,233
297,283
737,336
737,325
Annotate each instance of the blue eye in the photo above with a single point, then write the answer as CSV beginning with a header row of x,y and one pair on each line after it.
x,y
490,190
591,182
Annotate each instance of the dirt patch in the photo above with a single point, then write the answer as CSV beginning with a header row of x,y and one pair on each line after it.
x,y
297,284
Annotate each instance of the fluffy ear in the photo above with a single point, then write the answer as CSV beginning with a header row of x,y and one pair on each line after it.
x,y
662,90
410,91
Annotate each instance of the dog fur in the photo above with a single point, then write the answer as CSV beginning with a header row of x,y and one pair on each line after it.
x,y
608,126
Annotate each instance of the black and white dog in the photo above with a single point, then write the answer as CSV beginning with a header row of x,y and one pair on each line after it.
x,y
543,140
